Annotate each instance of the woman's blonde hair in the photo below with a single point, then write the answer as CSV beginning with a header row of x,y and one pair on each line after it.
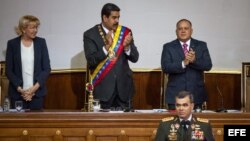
x,y
24,22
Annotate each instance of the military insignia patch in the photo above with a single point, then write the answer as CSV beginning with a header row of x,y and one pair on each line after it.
x,y
167,119
202,120
197,135
177,126
172,133
192,126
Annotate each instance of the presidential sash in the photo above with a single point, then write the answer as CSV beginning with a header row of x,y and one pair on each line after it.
x,y
114,52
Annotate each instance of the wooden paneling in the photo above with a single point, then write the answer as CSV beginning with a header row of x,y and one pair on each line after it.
x,y
66,90
148,89
4,89
80,126
245,82
226,87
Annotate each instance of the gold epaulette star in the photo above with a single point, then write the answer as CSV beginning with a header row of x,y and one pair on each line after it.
x,y
167,119
202,120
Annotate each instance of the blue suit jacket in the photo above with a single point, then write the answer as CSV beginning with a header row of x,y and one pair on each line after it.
x,y
190,78
14,66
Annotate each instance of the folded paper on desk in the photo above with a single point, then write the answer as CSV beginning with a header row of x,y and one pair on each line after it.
x,y
233,111
152,111
15,110
208,111
228,111
116,112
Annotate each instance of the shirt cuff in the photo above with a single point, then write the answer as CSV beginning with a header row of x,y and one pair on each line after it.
x,y
183,65
128,51
104,50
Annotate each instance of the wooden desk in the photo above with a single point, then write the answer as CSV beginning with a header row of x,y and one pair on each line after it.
x,y
80,126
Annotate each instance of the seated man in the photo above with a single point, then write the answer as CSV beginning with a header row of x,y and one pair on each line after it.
x,y
184,127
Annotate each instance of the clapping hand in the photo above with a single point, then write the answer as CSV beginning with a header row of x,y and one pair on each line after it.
x,y
109,40
189,57
128,39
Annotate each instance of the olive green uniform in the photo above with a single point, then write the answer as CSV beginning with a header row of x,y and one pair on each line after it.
x,y
170,129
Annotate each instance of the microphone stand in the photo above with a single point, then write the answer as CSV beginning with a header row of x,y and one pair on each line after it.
x,y
129,108
222,109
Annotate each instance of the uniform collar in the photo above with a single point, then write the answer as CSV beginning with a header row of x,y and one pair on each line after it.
x,y
189,118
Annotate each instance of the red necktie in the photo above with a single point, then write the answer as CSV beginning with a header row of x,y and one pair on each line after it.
x,y
184,47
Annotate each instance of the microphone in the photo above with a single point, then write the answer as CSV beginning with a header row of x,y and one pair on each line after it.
x,y
129,108
221,109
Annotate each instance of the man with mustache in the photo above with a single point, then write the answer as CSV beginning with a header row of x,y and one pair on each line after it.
x,y
108,47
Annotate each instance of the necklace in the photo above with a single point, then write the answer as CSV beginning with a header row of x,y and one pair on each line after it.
x,y
102,34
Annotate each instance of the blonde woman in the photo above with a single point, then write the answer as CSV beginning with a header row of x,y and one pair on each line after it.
x,y
27,65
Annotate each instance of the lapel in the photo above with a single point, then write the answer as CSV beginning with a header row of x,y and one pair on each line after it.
x,y
177,45
179,130
103,32
36,47
192,44
18,52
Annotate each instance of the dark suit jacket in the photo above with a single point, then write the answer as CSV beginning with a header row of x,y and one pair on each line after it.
x,y
167,126
120,74
14,66
190,78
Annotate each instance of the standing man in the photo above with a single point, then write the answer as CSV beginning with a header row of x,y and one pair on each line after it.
x,y
184,60
184,127
108,47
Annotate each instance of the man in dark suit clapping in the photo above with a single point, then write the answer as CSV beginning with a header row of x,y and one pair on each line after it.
x,y
184,60
108,47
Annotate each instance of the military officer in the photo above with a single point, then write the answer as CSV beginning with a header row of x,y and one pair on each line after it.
x,y
185,126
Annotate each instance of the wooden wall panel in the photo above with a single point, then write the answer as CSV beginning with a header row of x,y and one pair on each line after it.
x,y
66,90
148,88
74,125
229,86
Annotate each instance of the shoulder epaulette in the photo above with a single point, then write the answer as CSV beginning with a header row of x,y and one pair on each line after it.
x,y
167,119
202,120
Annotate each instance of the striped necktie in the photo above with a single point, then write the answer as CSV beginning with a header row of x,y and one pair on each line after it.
x,y
185,49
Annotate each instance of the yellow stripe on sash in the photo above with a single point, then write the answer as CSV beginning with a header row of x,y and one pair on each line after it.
x,y
116,36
